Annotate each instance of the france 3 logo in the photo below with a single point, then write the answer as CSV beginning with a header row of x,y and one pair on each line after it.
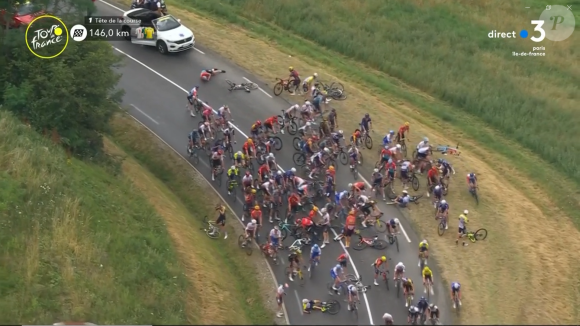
x,y
78,33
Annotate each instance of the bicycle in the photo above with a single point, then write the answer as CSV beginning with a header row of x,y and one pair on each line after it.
x,y
217,174
456,303
403,147
409,299
357,282
282,85
268,251
245,244
353,308
243,86
366,139
398,285
193,155
288,123
413,199
296,272
331,307
380,225
386,279
373,242
393,239
286,228
442,226
473,192
212,230
232,185
429,288
335,91
478,235
422,260
313,264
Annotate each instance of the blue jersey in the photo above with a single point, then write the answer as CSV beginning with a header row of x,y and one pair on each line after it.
x,y
387,139
329,180
455,286
365,123
443,207
422,304
314,253
193,135
288,174
278,179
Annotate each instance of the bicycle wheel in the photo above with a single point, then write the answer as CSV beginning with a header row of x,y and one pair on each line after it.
x,y
397,242
212,233
249,248
241,240
441,228
404,149
277,143
194,157
368,142
332,307
278,88
415,182
359,245
474,194
292,128
480,234
299,159
380,244
233,193
343,158
380,226
250,86
398,286
218,178
296,143
284,233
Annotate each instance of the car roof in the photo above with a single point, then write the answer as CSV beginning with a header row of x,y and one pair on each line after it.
x,y
146,15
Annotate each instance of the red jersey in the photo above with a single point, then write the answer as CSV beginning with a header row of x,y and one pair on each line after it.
x,y
341,257
432,173
263,169
207,112
403,129
306,223
271,120
256,214
294,200
359,185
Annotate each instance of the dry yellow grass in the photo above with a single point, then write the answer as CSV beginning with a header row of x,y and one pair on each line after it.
x,y
211,295
525,272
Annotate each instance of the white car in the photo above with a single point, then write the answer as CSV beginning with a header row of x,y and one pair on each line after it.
x,y
166,33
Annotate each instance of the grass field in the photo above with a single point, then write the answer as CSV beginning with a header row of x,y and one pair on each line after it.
x,y
508,278
228,290
109,245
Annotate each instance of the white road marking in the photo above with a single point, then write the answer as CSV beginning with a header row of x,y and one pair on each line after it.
x,y
145,114
299,302
263,91
123,10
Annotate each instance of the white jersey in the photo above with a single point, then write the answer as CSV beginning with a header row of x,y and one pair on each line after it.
x,y
307,107
343,195
325,218
280,291
223,110
352,289
298,181
421,144
275,233
292,109
202,128
400,267
317,155
423,150
393,149
388,138
266,185
405,166
363,199
247,178
250,226
337,269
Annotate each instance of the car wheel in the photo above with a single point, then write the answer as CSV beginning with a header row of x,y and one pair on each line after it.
x,y
161,47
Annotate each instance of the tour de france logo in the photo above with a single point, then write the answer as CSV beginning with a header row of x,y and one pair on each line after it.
x,y
46,37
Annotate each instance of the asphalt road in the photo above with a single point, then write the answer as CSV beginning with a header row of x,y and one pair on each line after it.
x,y
156,88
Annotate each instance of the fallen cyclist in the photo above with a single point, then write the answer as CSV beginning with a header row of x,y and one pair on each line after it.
x,y
206,74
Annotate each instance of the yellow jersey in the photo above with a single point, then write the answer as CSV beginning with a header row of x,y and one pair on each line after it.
x,y
309,80
427,272
239,156
232,171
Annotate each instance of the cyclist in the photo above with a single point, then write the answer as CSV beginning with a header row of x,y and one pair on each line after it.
x,y
306,114
366,123
378,184
233,174
462,223
343,259
207,114
257,216
377,266
353,154
318,161
401,133
399,271
336,137
217,160
249,148
251,229
395,152
315,253
280,293
437,195
357,188
408,289
329,184
443,210
325,225
423,143
455,291
422,305
433,176
390,168
291,112
333,119
324,129
388,139
392,225
225,114
255,130
207,73
240,159
263,172
446,168
352,295
355,137
336,274
193,140
271,159
341,200
266,188
271,124
294,260
424,248
405,167
308,305
293,203
427,279
404,199
228,135
471,181
221,219
308,82
275,236
413,314
204,130
192,99
305,223
248,201
293,79
366,209
247,180
349,227
433,312
388,319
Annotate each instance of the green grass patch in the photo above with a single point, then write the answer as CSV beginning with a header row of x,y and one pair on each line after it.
x,y
482,90
78,243
199,199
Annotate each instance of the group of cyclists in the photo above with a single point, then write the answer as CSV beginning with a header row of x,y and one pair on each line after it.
x,y
352,201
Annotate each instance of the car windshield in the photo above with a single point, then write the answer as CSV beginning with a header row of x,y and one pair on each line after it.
x,y
166,23
27,9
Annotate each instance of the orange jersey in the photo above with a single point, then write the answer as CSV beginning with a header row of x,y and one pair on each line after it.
x,y
263,169
256,214
271,120
247,146
432,173
359,185
403,129
294,199
311,214
378,262
306,223
351,220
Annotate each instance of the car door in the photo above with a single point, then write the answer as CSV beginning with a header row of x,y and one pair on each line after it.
x,y
140,34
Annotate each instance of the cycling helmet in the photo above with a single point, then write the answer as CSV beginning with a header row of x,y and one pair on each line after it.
x,y
405,192
298,251
431,306
440,161
472,175
239,153
367,115
423,299
279,172
220,151
407,124
323,211
396,221
315,209
331,168
304,301
276,227
390,160
350,185
257,207
250,141
398,146
315,75
327,150
391,132
437,187
233,167
253,191
259,123
340,132
293,170
254,221
443,202
271,155
424,240
465,212
307,124
376,170
384,258
290,68
387,147
425,139
315,247
435,308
